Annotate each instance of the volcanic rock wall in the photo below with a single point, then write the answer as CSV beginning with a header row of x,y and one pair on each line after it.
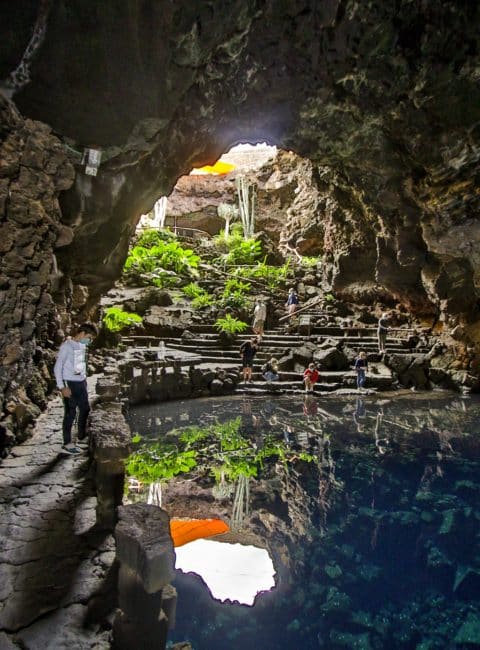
x,y
33,170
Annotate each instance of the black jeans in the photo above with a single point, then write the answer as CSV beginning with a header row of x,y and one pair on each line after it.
x,y
79,399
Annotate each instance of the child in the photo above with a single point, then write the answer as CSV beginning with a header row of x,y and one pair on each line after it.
x,y
310,377
270,370
361,367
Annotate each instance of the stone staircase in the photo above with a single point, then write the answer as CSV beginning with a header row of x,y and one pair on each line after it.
x,y
201,348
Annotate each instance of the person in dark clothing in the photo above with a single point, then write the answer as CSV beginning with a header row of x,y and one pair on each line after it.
x,y
292,301
248,350
71,376
361,367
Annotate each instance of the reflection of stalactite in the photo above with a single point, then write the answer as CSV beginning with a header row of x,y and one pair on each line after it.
x,y
155,494
326,483
241,507
20,77
223,489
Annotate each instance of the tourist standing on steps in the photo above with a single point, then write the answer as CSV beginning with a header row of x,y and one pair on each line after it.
x,y
259,317
361,367
310,377
248,350
292,301
382,331
71,377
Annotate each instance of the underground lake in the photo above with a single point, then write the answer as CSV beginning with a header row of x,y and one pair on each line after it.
x,y
368,509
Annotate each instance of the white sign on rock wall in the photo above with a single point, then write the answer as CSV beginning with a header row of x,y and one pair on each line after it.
x,y
93,158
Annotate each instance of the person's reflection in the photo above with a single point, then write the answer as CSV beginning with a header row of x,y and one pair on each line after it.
x,y
310,406
248,422
381,443
359,415
288,434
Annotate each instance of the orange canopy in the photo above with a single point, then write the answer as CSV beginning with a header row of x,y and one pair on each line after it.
x,y
187,530
218,168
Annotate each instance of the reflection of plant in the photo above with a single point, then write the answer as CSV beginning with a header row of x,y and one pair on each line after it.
x,y
191,435
230,325
158,462
116,320
220,448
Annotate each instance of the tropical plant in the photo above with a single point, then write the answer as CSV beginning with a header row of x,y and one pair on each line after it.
x,y
273,276
230,325
221,448
170,256
154,237
163,279
246,203
246,251
234,294
193,290
200,297
234,285
160,462
204,300
227,212
116,320
310,261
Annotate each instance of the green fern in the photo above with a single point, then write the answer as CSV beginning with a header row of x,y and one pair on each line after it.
x,y
116,320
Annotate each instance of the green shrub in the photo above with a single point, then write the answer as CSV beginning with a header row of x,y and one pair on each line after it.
x,y
246,252
169,256
201,298
193,290
154,237
310,262
116,320
204,300
157,462
230,325
329,297
233,285
272,276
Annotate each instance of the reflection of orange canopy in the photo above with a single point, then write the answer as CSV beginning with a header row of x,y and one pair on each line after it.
x,y
218,168
186,530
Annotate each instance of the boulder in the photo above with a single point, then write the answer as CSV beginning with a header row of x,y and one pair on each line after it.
x,y
303,354
331,359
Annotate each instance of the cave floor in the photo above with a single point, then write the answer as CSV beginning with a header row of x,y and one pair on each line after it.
x,y
56,573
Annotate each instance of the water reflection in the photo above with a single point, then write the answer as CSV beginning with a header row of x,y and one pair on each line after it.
x,y
368,508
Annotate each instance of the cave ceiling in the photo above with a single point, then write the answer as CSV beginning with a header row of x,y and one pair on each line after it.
x,y
383,96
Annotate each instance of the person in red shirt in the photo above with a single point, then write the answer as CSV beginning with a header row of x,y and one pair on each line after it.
x,y
310,377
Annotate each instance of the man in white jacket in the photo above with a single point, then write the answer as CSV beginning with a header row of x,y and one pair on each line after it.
x,y
71,377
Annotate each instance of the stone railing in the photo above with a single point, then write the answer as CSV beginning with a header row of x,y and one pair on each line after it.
x,y
144,548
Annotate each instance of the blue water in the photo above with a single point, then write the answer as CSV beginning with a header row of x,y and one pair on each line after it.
x,y
375,541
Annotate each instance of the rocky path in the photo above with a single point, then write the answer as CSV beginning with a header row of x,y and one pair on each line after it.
x,y
56,572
